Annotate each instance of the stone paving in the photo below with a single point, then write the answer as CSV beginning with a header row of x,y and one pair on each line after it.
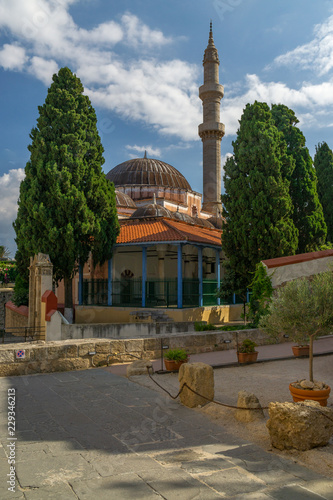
x,y
94,435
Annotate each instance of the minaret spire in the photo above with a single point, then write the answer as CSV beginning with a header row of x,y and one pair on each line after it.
x,y
211,130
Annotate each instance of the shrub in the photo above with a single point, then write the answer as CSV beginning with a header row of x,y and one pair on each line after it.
x,y
247,346
200,326
176,355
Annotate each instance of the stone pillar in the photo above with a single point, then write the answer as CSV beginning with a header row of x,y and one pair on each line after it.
x,y
211,130
200,378
40,280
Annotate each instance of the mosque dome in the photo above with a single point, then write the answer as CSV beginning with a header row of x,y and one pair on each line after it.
x,y
151,210
147,171
183,216
203,222
123,200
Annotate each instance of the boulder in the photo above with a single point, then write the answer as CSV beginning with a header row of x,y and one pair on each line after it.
x,y
200,377
138,367
301,426
248,400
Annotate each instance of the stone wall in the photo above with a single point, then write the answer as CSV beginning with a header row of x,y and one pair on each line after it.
x,y
16,317
68,355
6,294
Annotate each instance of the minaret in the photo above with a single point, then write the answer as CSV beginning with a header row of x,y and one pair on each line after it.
x,y
211,130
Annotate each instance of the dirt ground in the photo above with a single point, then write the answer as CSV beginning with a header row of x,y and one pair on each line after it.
x,y
269,381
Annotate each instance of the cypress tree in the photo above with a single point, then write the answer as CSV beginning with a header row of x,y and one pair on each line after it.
x,y
323,162
257,205
307,214
66,206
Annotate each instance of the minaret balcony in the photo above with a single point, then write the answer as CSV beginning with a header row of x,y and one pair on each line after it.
x,y
211,128
211,90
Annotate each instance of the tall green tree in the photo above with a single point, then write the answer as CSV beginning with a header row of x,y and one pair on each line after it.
x,y
307,214
323,163
66,206
257,205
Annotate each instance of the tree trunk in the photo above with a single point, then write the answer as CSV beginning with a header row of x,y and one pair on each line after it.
x,y
68,313
311,358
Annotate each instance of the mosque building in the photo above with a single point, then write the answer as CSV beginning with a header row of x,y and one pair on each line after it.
x,y
168,252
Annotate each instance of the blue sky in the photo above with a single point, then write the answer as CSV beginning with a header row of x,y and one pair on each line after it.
x,y
140,63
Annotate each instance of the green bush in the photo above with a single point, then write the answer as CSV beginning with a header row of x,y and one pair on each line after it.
x,y
176,355
247,346
8,272
200,326
21,292
231,328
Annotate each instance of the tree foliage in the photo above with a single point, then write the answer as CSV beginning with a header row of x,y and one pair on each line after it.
x,y
261,296
323,162
66,205
302,309
257,205
307,213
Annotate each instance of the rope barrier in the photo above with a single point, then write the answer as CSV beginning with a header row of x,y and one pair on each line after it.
x,y
218,402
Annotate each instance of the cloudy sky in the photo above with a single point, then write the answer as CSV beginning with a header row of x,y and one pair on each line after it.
x,y
140,63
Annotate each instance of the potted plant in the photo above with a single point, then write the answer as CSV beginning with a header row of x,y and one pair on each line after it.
x,y
246,352
174,358
302,309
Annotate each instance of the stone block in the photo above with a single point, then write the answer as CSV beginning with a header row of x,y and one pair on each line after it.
x,y
84,349
38,354
301,426
200,378
151,344
134,346
56,352
138,367
7,356
12,369
102,347
71,351
117,346
248,400
99,359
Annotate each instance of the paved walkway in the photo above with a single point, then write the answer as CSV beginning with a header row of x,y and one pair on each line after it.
x,y
95,435
323,345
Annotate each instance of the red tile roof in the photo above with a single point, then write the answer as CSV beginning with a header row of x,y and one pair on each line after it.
x,y
296,259
164,229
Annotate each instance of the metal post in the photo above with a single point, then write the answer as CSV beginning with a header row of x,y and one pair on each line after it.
x,y
144,275
110,282
200,276
180,277
218,274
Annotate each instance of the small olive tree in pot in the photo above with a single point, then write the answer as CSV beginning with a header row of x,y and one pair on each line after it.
x,y
303,310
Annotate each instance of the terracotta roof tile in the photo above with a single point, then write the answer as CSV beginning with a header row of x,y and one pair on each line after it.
x,y
296,259
165,229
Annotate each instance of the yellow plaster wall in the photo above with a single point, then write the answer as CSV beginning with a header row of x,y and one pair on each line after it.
x,y
213,314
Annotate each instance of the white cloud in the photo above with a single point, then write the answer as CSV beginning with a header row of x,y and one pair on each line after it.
x,y
12,57
43,69
316,55
150,150
9,193
162,94
139,35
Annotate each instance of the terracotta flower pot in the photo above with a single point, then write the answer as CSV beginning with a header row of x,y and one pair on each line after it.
x,y
247,357
303,394
300,350
172,365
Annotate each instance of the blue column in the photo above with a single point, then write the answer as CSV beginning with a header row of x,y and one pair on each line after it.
x,y
218,273
180,277
110,282
80,284
144,275
234,298
200,275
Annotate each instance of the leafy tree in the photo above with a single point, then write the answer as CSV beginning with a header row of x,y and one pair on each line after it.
x,y
257,204
261,296
323,162
302,309
232,282
66,207
307,214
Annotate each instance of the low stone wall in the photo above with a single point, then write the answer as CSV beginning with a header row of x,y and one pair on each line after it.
x,y
16,317
6,294
68,355
123,331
